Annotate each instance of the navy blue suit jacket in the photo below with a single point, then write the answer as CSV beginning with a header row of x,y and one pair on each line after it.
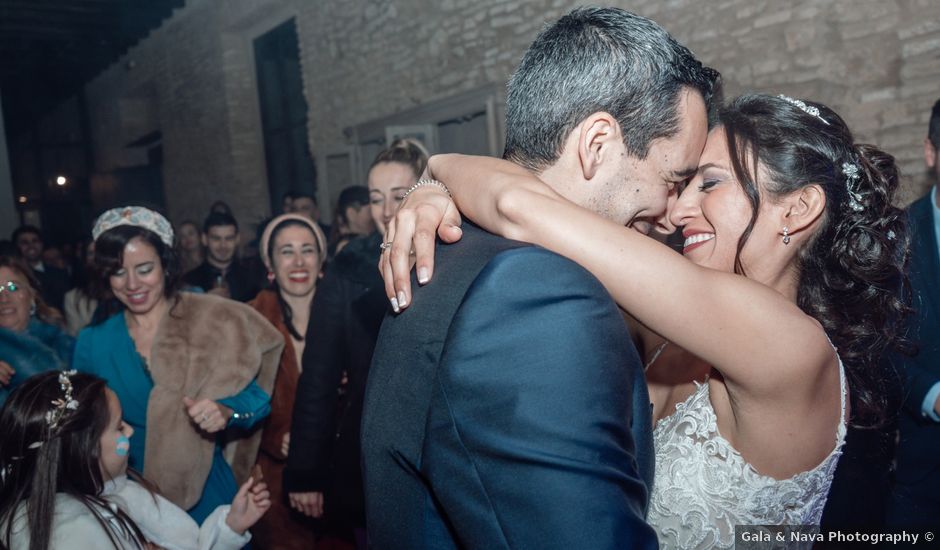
x,y
918,459
499,410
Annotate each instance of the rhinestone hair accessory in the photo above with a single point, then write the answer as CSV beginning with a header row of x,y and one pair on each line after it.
x,y
851,185
64,404
808,109
134,215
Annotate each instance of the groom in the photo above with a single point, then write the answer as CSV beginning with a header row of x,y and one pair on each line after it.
x,y
507,407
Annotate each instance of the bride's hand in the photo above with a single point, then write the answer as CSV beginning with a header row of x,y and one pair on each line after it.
x,y
426,212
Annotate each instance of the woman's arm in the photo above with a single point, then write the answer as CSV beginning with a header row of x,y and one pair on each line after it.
x,y
242,410
249,406
753,334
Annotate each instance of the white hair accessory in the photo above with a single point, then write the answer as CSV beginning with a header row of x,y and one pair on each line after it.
x,y
136,216
64,404
808,109
851,180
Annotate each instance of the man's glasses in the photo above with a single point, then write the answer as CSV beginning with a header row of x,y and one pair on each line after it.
x,y
9,286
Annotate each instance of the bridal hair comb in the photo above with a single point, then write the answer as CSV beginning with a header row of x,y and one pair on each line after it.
x,y
851,182
808,109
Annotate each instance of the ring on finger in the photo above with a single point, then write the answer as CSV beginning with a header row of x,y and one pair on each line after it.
x,y
205,417
385,246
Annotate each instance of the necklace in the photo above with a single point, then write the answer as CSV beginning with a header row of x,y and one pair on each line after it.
x,y
659,350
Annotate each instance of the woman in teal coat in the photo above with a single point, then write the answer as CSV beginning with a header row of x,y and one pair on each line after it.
x,y
185,367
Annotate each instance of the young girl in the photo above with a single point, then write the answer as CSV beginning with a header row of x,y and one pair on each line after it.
x,y
64,481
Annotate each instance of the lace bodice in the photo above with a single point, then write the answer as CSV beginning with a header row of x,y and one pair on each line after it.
x,y
703,487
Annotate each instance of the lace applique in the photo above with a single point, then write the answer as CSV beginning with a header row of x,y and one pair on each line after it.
x,y
703,487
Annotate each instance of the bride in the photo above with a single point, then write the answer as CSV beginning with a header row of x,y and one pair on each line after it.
x,y
787,292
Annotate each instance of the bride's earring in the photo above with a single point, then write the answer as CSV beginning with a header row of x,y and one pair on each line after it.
x,y
786,235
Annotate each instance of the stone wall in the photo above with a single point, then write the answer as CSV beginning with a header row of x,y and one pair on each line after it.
x,y
877,62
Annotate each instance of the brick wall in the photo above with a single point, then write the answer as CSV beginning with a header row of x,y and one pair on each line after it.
x,y
877,62
192,80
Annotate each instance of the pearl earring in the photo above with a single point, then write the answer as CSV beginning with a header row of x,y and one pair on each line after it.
x,y
786,235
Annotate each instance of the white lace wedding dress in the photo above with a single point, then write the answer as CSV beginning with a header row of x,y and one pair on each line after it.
x,y
703,487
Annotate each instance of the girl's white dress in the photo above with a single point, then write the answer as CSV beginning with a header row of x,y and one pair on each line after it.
x,y
162,522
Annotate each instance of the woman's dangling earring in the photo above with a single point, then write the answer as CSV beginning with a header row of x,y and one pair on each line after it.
x,y
786,235
32,309
270,276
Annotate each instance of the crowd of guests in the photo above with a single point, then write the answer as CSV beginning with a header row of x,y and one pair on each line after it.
x,y
189,354
165,386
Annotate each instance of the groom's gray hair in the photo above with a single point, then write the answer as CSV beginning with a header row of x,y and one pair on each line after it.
x,y
599,59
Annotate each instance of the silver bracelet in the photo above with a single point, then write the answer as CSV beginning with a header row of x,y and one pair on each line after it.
x,y
423,182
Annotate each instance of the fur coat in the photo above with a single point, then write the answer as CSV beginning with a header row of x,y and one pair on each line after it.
x,y
209,347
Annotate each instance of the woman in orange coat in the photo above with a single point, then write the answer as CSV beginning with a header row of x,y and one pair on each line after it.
x,y
293,249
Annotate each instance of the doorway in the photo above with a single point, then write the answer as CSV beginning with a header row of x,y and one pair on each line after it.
x,y
290,166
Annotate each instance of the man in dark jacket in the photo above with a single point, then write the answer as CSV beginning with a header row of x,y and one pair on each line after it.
x,y
54,282
221,273
916,496
507,407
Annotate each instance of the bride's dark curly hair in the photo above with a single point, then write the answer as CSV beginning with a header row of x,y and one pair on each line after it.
x,y
852,272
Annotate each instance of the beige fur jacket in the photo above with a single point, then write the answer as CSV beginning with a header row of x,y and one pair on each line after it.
x,y
206,347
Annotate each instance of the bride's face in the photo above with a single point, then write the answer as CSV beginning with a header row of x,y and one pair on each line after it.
x,y
713,211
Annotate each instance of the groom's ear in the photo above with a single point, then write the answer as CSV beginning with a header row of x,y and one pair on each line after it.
x,y
599,141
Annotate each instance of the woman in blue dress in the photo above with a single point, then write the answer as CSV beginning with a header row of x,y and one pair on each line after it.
x,y
193,372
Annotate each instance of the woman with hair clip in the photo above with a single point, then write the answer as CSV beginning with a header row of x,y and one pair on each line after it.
x,y
64,481
32,335
760,337
293,249
323,464
186,367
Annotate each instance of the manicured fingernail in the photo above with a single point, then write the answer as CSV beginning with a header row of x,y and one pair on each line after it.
x,y
395,307
423,275
402,300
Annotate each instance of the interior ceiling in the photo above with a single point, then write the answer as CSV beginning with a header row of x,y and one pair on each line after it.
x,y
50,48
